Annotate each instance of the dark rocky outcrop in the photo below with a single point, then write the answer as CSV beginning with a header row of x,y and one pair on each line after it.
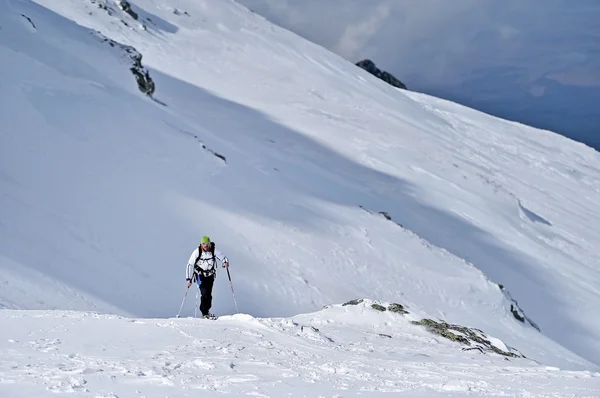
x,y
393,307
370,67
475,339
223,158
470,338
141,74
29,19
126,7
353,302
103,6
517,312
385,214
398,308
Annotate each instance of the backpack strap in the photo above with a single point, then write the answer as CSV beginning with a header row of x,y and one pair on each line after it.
x,y
210,271
199,254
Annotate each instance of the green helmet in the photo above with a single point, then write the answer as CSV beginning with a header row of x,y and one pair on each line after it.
x,y
205,239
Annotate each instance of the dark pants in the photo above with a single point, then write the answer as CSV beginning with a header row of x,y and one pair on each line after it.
x,y
206,287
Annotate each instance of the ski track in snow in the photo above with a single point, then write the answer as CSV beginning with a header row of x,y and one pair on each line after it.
x,y
328,353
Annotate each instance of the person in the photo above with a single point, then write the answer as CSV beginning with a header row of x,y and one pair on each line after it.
x,y
202,268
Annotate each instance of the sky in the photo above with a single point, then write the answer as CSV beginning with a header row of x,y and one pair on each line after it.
x,y
537,61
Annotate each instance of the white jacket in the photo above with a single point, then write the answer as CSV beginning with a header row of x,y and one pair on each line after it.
x,y
205,262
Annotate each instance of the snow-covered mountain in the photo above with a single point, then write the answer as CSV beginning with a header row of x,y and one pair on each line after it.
x,y
533,61
320,182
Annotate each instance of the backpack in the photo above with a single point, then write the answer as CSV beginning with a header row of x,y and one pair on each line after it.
x,y
210,271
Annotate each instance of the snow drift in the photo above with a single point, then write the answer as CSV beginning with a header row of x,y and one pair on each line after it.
x,y
342,350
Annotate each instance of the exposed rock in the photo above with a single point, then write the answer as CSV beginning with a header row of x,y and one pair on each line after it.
x,y
517,312
144,81
102,5
215,153
386,215
393,307
177,12
474,338
29,19
370,67
312,329
126,7
469,338
399,308
353,302
141,74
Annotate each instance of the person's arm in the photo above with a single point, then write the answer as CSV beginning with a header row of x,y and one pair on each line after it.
x,y
189,268
221,257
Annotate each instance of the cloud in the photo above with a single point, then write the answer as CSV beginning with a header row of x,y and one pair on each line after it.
x,y
357,35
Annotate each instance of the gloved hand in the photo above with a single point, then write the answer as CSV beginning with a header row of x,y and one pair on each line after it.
x,y
226,265
189,282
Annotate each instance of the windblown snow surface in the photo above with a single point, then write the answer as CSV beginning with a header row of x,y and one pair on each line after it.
x,y
319,182
337,352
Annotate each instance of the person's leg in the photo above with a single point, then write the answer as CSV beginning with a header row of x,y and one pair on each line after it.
x,y
206,286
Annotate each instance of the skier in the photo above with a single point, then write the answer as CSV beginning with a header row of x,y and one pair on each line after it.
x,y
202,268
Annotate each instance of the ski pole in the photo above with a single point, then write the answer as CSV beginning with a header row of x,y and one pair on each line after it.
x,y
196,308
232,292
183,301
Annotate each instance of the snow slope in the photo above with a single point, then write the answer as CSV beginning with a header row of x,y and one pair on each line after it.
x,y
532,61
105,192
340,351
